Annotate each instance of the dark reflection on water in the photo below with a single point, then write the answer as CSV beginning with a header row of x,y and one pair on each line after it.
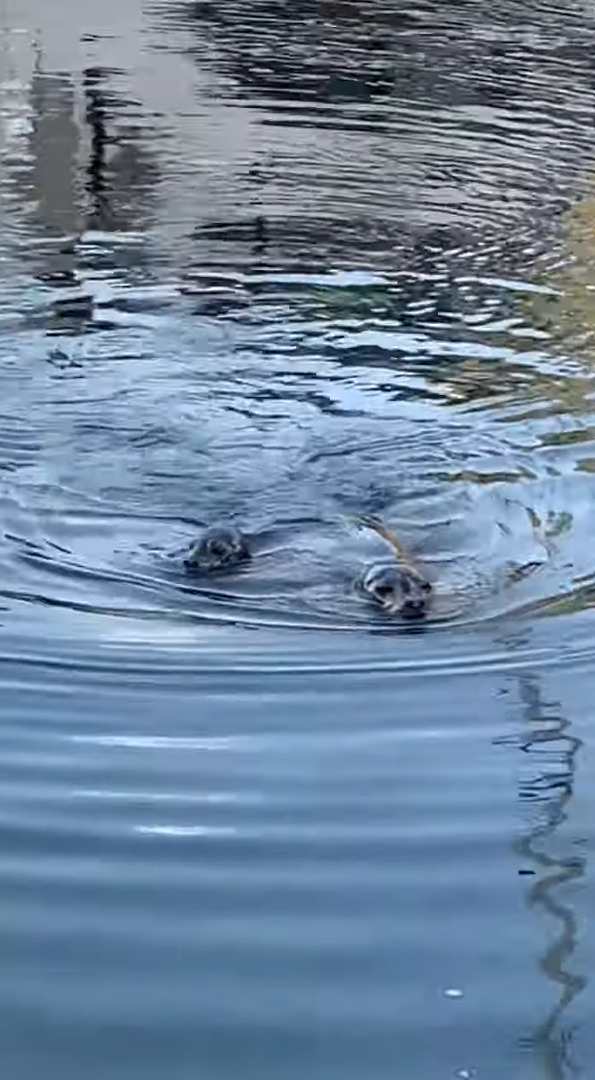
x,y
281,265
552,864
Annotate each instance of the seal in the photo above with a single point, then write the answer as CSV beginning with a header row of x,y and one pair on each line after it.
x,y
399,587
219,548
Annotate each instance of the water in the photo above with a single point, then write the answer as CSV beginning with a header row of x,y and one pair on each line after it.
x,y
282,267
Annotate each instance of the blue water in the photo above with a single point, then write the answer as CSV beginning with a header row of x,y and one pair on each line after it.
x,y
280,268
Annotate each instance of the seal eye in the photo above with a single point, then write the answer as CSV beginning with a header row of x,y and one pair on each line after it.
x,y
426,587
383,591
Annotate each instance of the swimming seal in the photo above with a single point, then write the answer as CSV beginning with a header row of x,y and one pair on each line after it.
x,y
399,587
220,547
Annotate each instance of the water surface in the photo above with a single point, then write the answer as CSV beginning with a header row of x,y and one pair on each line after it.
x,y
282,268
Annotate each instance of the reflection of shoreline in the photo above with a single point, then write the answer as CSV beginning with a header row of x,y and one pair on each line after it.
x,y
555,749
81,164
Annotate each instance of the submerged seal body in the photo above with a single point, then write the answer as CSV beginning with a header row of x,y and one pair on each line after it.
x,y
220,547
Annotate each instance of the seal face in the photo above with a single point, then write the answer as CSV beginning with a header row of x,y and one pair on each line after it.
x,y
218,548
399,589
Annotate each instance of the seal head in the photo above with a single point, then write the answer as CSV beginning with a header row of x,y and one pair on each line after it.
x,y
399,589
218,548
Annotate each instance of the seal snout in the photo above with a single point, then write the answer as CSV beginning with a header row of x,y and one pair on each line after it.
x,y
218,548
414,608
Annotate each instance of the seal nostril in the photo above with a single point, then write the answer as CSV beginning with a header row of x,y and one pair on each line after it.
x,y
414,608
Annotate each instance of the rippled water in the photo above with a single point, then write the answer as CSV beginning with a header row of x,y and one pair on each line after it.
x,y
282,265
